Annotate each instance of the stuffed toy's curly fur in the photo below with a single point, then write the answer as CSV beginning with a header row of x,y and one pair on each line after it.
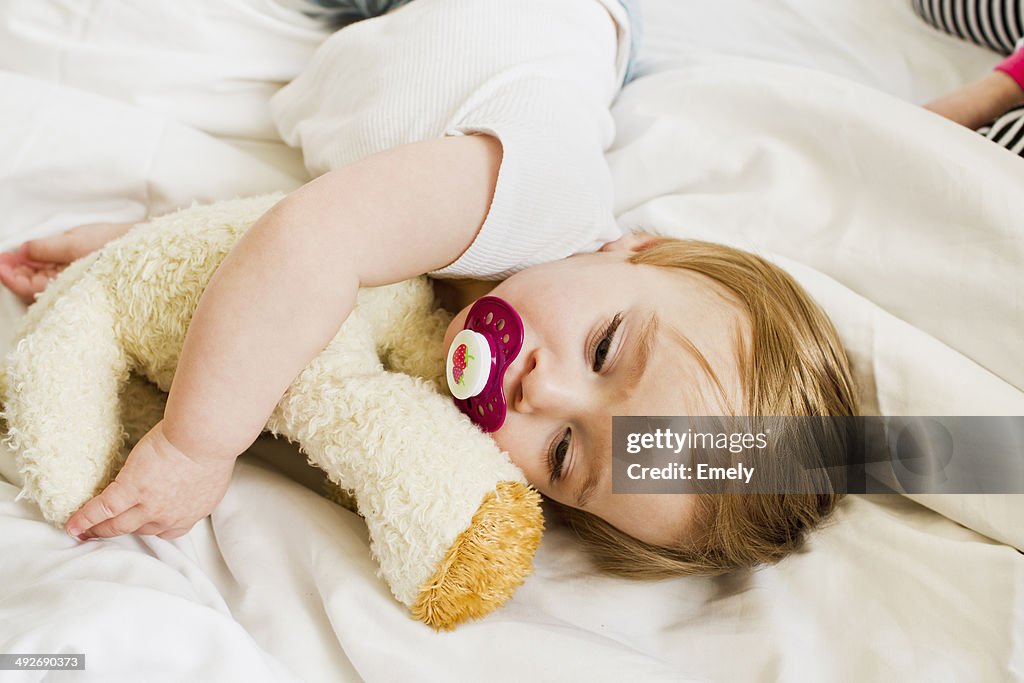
x,y
453,523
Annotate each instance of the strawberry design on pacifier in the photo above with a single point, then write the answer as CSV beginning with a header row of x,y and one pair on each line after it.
x,y
478,358
459,362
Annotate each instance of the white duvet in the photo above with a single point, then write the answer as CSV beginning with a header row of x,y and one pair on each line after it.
x,y
909,230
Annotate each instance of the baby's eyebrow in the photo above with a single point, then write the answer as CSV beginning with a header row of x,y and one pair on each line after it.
x,y
641,351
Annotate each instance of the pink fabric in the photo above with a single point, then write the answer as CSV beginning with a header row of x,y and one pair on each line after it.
x,y
1013,66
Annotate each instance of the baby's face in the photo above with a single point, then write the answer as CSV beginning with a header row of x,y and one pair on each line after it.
x,y
598,343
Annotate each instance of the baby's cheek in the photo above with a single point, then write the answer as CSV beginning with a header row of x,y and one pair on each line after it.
x,y
517,453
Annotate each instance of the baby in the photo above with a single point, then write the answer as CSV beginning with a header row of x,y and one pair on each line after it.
x,y
503,179
644,326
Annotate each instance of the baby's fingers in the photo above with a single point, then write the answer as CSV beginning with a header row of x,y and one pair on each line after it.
x,y
25,279
114,500
63,248
72,245
125,523
161,530
173,533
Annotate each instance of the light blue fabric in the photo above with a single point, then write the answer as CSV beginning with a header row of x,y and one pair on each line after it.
x,y
343,12
636,27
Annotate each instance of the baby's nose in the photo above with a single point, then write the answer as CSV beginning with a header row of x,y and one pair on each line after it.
x,y
543,387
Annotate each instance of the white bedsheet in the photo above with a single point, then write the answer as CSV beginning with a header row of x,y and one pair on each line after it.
x,y
907,228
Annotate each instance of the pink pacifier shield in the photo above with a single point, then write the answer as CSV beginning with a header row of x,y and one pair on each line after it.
x,y
478,358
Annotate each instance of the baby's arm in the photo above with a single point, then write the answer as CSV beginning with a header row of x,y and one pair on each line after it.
x,y
276,301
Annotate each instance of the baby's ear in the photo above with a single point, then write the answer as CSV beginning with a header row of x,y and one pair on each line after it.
x,y
632,242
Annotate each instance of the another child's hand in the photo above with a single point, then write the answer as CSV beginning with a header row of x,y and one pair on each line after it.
x,y
160,490
980,102
27,270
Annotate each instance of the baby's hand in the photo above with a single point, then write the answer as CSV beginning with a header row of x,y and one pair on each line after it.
x,y
27,270
25,276
160,490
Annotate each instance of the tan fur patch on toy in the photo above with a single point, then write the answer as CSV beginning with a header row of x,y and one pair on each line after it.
x,y
488,560
343,497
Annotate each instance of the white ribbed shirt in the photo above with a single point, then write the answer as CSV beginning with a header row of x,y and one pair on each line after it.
x,y
539,75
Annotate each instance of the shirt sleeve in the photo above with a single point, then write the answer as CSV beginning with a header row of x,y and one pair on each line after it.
x,y
553,196
538,75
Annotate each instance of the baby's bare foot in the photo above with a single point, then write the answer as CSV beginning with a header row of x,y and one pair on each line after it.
x,y
28,270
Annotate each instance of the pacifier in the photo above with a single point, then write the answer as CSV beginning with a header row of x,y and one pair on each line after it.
x,y
478,358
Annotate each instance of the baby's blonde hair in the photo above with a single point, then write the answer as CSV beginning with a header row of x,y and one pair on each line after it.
x,y
793,364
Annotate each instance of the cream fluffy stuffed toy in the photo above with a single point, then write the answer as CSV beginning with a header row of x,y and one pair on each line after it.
x,y
453,523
